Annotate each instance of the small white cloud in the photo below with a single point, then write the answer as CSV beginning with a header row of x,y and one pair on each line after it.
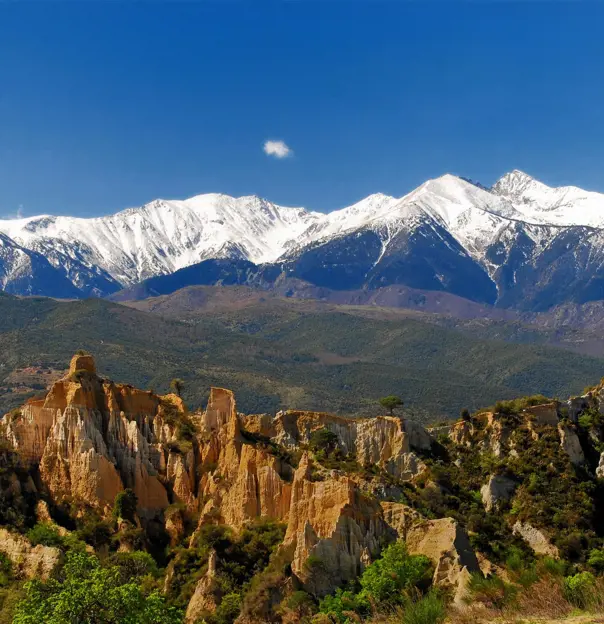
x,y
278,149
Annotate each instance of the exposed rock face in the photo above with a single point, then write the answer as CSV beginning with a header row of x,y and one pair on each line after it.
x,y
335,529
384,441
570,444
536,539
400,518
546,414
82,362
91,438
600,468
497,435
30,561
206,597
447,545
576,405
461,433
497,489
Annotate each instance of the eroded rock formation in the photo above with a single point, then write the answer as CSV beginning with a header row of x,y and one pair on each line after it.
x,y
91,438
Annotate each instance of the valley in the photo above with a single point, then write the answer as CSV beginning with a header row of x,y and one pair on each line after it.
x,y
282,352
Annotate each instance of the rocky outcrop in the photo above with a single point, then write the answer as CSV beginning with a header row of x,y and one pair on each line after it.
x,y
496,490
536,539
447,545
335,530
577,405
544,414
496,435
600,468
29,561
206,596
569,441
385,441
399,518
92,438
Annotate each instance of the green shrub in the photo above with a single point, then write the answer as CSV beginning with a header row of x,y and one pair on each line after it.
x,y
551,566
427,610
387,578
314,563
257,601
134,565
579,589
341,605
490,590
596,559
124,506
323,440
385,583
6,570
88,592
301,603
228,609
95,531
45,534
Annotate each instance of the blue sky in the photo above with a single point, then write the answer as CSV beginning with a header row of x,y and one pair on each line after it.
x,y
108,105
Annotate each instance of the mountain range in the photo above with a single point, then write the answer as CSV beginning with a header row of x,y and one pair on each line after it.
x,y
519,244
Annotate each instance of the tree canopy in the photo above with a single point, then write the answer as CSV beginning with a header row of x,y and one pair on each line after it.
x,y
391,402
87,593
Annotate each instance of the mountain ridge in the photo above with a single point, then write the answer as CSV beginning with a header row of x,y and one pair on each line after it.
x,y
513,245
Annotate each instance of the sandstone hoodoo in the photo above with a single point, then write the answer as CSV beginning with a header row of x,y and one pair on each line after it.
x,y
267,517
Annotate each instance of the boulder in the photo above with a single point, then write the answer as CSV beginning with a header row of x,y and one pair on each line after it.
x,y
536,539
496,490
447,545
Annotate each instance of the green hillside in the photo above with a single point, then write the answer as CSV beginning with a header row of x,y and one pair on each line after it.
x,y
276,353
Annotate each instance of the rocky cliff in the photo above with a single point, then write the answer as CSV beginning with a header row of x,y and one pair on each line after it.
x,y
341,488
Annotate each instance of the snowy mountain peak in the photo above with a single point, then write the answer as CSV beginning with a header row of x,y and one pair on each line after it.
x,y
101,254
515,184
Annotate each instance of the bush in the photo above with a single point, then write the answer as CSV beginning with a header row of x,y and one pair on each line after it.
x,y
301,603
427,610
491,591
323,440
87,592
45,534
344,603
227,610
387,578
135,565
125,504
596,559
6,570
385,583
95,532
579,589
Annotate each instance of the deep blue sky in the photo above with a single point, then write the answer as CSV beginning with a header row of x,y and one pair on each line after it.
x,y
108,105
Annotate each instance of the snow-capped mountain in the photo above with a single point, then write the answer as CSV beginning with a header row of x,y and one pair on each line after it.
x,y
520,243
160,237
25,272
